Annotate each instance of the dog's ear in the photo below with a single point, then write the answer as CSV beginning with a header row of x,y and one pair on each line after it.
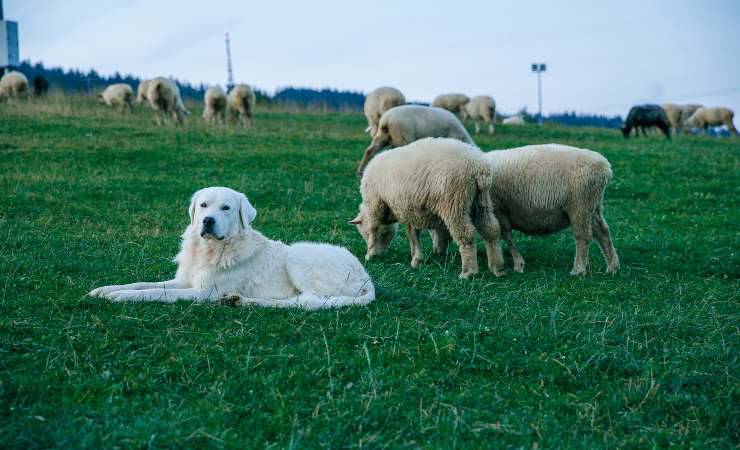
x,y
357,220
247,213
191,209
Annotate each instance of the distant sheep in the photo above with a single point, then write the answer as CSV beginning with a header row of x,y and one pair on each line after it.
x,y
240,103
379,101
439,184
514,120
40,86
215,105
542,189
164,98
13,85
704,118
678,114
142,90
645,116
119,95
451,102
405,124
481,108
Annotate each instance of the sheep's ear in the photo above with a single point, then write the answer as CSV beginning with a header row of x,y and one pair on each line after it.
x,y
247,213
193,203
356,221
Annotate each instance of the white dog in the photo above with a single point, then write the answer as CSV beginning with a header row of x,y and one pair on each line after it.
x,y
222,256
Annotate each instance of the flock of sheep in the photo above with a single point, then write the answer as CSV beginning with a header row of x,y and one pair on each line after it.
x,y
672,117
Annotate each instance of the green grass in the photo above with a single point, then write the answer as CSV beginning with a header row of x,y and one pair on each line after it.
x,y
646,358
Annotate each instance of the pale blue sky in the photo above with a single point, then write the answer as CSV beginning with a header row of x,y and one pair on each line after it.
x,y
602,55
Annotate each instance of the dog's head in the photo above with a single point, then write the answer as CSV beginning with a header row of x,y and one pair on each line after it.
x,y
377,242
220,213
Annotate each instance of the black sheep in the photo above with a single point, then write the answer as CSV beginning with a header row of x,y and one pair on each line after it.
x,y
40,85
645,116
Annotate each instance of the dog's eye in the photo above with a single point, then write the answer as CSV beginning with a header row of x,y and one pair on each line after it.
x,y
203,205
226,207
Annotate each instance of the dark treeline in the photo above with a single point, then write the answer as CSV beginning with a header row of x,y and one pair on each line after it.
x,y
584,120
328,99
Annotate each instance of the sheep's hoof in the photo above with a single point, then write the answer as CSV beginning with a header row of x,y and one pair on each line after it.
x,y
415,262
499,273
612,269
578,272
467,275
519,268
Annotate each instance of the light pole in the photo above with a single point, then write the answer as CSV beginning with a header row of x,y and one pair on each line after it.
x,y
538,68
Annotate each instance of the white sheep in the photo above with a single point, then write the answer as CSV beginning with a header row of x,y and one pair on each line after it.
x,y
451,102
481,108
405,124
437,184
704,118
514,120
240,102
379,101
679,114
542,189
164,97
14,85
118,95
215,105
142,90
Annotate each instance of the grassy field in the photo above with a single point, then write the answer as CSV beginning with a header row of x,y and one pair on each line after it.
x,y
644,359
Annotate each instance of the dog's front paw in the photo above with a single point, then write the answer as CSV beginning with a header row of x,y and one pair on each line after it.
x,y
103,291
124,296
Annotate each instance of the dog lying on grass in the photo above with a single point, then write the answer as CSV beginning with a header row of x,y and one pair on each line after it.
x,y
222,259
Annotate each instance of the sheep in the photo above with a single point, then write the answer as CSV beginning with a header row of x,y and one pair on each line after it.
x,y
40,86
711,117
514,120
215,105
542,189
379,101
481,108
451,102
405,124
118,95
164,98
240,102
646,116
434,183
679,114
142,91
13,85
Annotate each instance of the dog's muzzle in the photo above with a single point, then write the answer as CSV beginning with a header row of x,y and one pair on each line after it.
x,y
207,229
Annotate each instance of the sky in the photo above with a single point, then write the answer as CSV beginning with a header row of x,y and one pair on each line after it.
x,y
602,56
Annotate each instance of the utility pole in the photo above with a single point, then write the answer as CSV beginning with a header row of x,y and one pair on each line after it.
x,y
539,68
230,73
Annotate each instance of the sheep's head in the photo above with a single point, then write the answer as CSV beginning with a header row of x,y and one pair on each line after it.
x,y
380,240
625,132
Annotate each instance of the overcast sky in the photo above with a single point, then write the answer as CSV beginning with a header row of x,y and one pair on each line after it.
x,y
602,56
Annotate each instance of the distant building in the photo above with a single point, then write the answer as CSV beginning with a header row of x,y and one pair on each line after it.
x,y
9,53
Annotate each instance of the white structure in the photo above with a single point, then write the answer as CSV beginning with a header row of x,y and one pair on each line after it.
x,y
9,54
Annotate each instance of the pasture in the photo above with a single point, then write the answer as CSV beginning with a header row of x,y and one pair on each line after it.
x,y
645,358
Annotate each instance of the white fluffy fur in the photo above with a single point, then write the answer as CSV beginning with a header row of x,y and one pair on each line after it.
x,y
514,120
453,103
142,90
704,118
215,105
231,260
379,101
240,103
13,85
481,108
405,124
164,98
542,189
119,95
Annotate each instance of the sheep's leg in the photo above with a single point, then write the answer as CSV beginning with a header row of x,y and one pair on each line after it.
x,y
490,230
462,231
416,252
509,239
477,127
440,240
581,224
604,239
491,128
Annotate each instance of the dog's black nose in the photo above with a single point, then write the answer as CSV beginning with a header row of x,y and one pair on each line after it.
x,y
209,221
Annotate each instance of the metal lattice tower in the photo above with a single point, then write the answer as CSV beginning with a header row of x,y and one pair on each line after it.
x,y
230,79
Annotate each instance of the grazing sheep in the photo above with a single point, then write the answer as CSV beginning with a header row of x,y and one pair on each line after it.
x,y
438,184
142,91
40,86
405,124
679,114
481,108
643,116
164,98
704,118
13,85
215,105
451,102
240,101
379,101
119,95
514,120
542,189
